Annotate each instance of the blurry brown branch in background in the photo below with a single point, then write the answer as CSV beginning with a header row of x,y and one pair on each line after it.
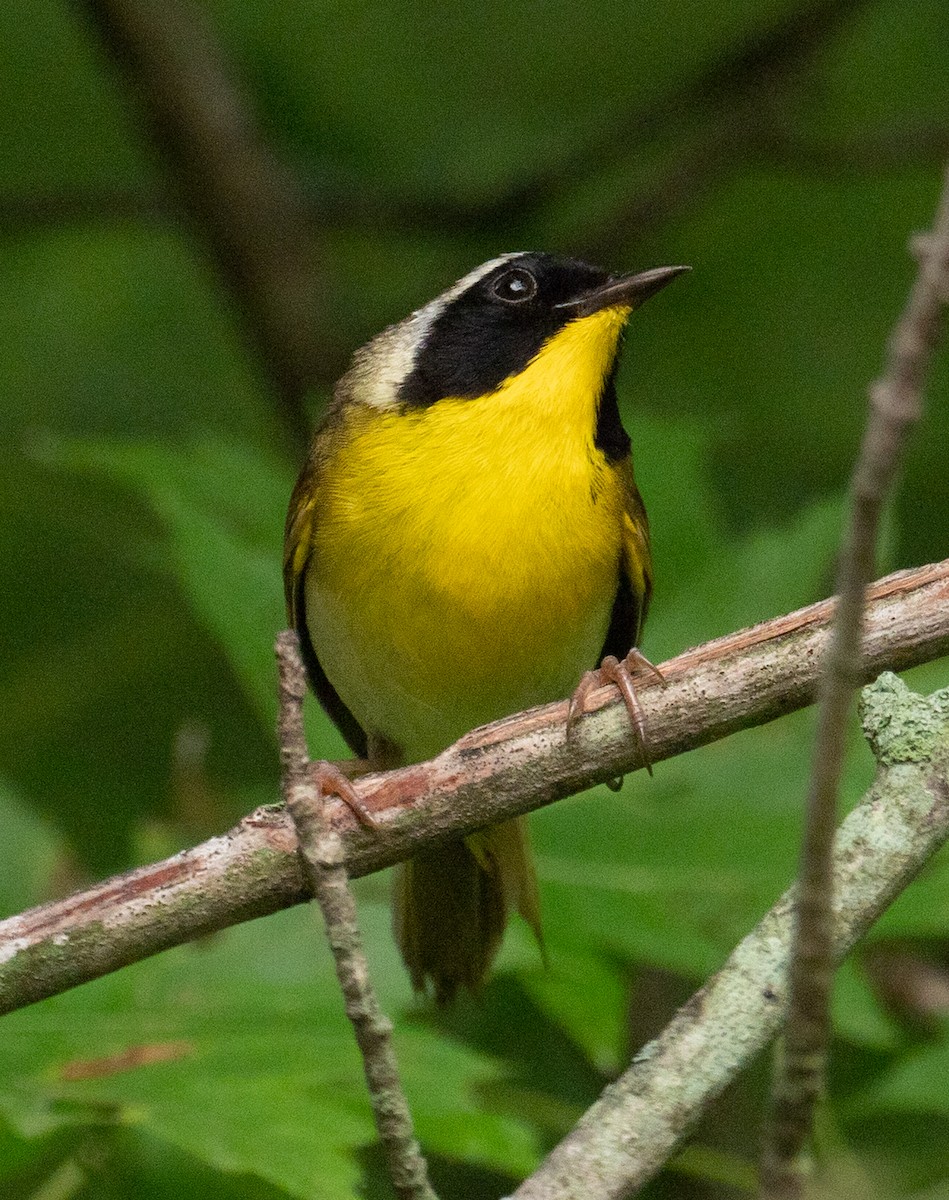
x,y
500,771
243,203
321,849
718,116
705,159
259,221
911,143
54,208
895,406
722,93
729,114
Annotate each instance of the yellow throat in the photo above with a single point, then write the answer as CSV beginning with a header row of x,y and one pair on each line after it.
x,y
465,557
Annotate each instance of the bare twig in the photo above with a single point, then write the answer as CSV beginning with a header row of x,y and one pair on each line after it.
x,y
497,772
243,202
633,1128
322,852
895,405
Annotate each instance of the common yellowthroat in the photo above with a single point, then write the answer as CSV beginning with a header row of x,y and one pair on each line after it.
x,y
465,540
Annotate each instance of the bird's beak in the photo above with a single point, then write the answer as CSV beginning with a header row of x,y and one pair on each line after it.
x,y
628,291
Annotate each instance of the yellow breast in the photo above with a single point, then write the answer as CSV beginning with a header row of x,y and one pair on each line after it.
x,y
465,556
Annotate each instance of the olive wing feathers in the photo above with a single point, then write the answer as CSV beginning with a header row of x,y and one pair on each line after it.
x,y
634,588
297,552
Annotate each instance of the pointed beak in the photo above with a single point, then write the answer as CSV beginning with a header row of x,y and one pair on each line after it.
x,y
628,291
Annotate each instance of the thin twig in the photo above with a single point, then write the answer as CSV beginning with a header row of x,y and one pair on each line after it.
x,y
322,852
639,1120
243,202
497,772
895,406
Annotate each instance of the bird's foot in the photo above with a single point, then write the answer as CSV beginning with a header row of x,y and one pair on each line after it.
x,y
612,670
335,779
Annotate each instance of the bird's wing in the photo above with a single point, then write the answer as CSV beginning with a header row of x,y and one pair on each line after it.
x,y
634,586
297,553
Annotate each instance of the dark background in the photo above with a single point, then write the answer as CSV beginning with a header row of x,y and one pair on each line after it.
x,y
150,436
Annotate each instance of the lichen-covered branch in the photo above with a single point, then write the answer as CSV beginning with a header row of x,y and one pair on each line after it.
x,y
322,852
494,773
895,406
627,1135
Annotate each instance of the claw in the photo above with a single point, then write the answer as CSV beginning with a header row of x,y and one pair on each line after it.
x,y
611,670
329,779
577,707
636,659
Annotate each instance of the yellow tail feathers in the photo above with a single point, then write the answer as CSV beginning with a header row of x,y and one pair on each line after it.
x,y
450,906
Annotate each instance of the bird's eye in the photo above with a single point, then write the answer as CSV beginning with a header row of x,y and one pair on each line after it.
x,y
514,286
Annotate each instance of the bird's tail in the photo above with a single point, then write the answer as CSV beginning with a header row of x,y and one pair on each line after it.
x,y
450,906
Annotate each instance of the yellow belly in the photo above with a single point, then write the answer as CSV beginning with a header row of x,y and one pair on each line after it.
x,y
464,567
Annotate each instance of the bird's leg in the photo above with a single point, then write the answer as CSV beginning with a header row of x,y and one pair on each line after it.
x,y
335,779
612,670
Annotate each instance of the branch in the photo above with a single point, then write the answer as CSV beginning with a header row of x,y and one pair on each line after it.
x,y
322,853
895,406
915,142
627,1135
730,88
243,202
497,772
723,113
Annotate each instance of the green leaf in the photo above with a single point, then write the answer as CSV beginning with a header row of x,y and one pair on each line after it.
x,y
708,581
583,995
222,506
237,1052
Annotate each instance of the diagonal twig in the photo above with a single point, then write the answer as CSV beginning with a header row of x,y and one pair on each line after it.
x,y
322,851
895,406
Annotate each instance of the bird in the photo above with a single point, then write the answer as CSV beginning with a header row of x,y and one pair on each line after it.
x,y
466,540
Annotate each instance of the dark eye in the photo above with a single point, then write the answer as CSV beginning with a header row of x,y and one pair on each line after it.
x,y
514,286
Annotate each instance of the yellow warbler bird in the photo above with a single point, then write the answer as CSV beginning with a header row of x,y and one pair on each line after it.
x,y
466,540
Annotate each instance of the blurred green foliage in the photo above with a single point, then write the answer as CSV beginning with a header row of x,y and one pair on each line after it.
x,y
787,150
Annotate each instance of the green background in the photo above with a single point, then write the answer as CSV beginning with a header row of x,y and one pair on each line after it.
x,y
787,151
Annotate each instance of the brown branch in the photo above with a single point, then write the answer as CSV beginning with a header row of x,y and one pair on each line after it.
x,y
721,113
639,1120
719,97
736,138
871,151
507,768
895,406
708,156
738,79
53,208
242,201
322,851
